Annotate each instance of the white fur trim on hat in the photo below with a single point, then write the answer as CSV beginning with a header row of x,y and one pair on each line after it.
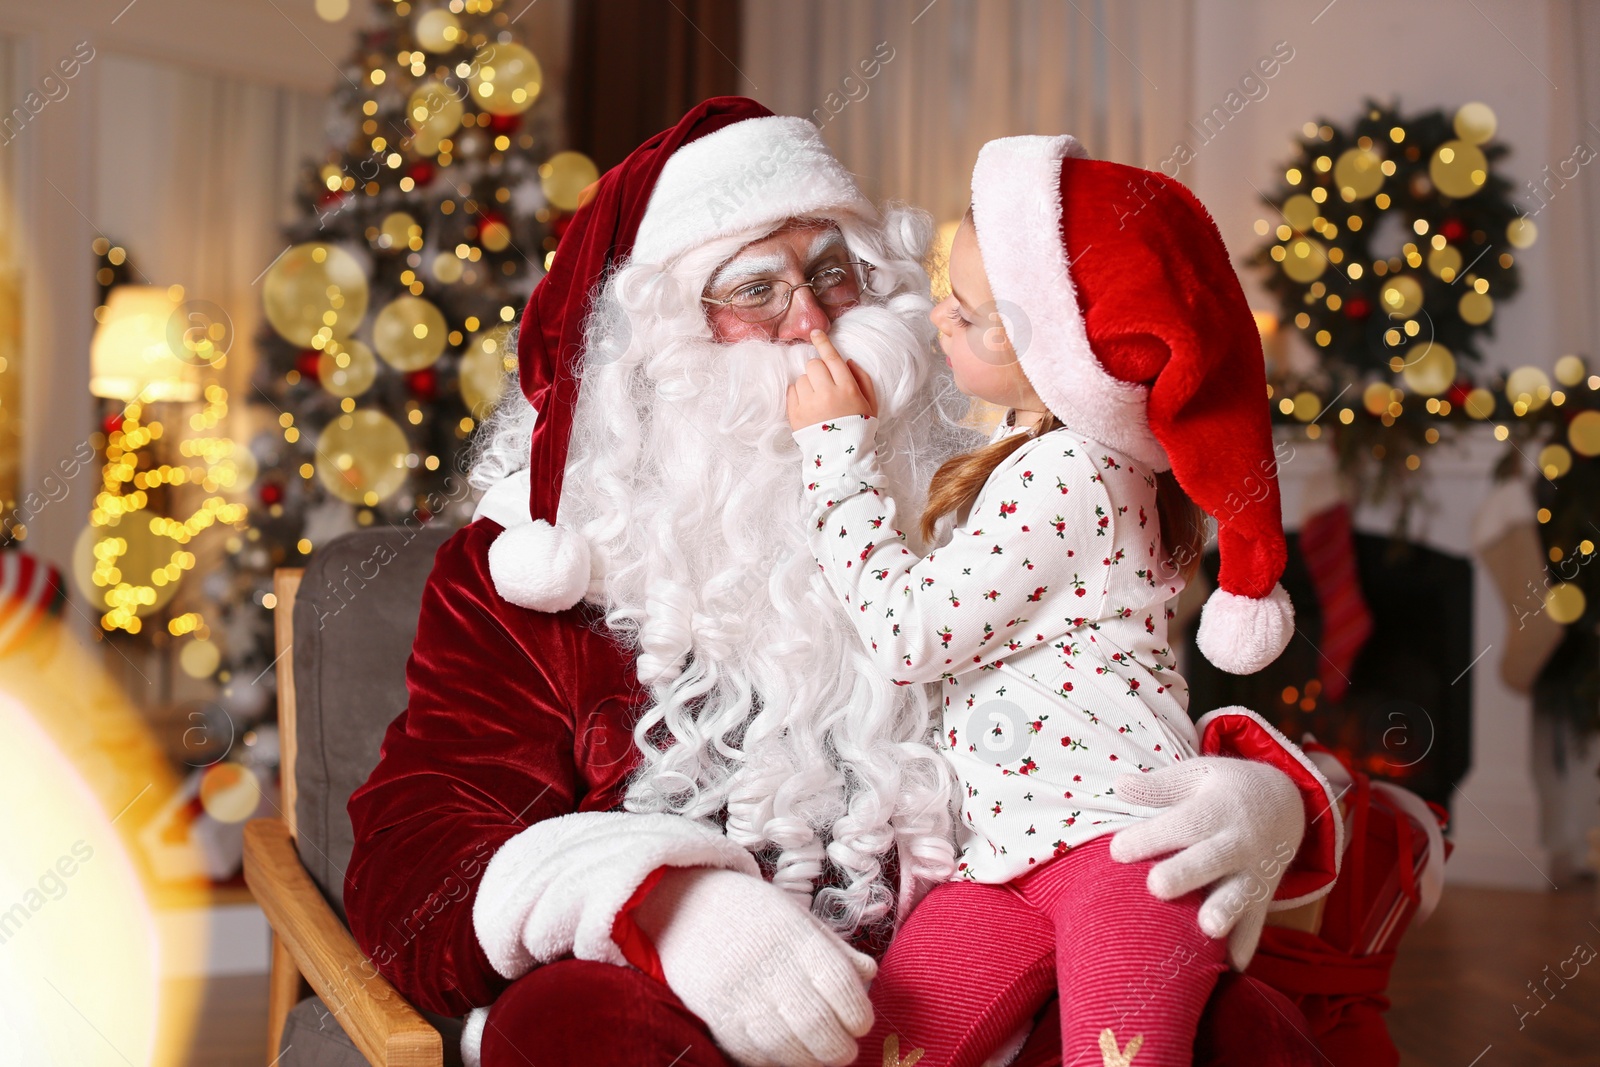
x,y
1242,634
1016,208
752,174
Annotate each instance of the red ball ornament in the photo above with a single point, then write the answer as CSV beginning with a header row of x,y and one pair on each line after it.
x,y
271,493
113,423
1459,392
504,123
307,364
330,196
424,383
1357,307
421,172
1453,230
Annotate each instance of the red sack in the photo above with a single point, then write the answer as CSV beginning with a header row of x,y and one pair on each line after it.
x,y
1392,873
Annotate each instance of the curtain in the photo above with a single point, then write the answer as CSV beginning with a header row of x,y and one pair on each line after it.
x,y
1570,219
10,312
907,91
638,65
196,175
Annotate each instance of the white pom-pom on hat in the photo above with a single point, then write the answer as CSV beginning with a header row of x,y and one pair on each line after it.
x,y
1242,634
533,564
539,566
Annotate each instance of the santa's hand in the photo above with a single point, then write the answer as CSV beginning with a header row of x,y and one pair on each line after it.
x,y
775,987
1233,824
829,389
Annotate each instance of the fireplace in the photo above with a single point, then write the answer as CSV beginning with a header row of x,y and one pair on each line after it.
x,y
1428,680
1407,714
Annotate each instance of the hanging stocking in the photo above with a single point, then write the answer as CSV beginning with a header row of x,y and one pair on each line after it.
x,y
30,589
1507,539
1329,548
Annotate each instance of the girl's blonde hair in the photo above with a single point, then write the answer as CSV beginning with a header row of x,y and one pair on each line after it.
x,y
957,483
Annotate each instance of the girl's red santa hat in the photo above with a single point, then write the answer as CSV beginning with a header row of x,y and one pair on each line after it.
x,y
1115,289
729,167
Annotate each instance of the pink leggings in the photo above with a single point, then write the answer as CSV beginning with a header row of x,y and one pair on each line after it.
x,y
974,962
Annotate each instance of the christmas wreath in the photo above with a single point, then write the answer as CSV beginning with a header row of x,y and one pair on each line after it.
x,y
1392,240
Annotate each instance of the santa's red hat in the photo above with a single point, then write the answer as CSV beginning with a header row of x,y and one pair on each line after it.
x,y
1116,291
729,167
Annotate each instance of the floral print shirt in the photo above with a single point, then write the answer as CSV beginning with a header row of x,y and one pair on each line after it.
x,y
1043,619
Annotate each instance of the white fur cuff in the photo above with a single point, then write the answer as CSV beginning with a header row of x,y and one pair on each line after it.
x,y
472,1037
555,888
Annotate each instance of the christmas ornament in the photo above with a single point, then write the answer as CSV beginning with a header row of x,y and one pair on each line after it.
x,y
438,30
346,368
434,112
409,333
565,176
308,284
505,79
361,457
398,231
484,368
1583,432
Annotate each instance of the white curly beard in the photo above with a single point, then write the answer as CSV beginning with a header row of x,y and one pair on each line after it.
x,y
684,477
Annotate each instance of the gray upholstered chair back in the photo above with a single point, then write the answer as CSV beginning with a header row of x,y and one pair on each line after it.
x,y
354,618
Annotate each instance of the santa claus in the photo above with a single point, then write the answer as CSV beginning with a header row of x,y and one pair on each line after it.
x,y
687,809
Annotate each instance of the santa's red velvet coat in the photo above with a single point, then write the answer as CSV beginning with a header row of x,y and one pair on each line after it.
x,y
517,716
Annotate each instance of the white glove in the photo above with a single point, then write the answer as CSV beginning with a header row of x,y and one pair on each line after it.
x,y
776,987
1235,825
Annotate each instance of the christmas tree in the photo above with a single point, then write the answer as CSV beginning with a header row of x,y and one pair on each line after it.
x,y
419,239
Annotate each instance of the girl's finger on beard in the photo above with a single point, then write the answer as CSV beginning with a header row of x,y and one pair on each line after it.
x,y
869,392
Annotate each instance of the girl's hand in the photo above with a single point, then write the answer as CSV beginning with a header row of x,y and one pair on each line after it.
x,y
830,388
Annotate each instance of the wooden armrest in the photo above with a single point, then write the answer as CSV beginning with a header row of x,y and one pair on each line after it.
x,y
388,1031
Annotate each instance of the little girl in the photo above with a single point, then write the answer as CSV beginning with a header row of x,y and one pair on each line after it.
x,y
1123,348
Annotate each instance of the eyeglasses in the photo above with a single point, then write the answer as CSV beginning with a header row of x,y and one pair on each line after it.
x,y
762,301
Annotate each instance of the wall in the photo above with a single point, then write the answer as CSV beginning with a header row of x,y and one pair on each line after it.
x,y
66,158
1426,54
